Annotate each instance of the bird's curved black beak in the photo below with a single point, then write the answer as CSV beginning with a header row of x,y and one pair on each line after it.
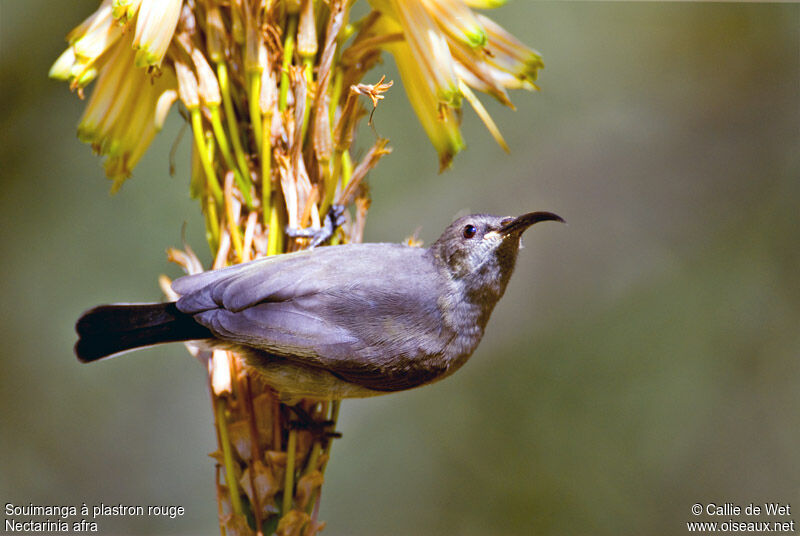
x,y
519,224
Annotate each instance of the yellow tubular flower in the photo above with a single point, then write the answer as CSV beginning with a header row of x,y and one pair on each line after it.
x,y
473,69
307,31
208,87
511,81
78,71
62,67
187,86
457,20
427,45
507,53
440,123
124,10
165,101
89,42
120,118
448,49
215,33
99,39
91,21
445,50
134,132
105,94
155,26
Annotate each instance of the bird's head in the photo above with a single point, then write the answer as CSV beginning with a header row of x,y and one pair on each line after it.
x,y
480,250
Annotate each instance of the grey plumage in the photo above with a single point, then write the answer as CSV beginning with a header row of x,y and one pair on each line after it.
x,y
340,321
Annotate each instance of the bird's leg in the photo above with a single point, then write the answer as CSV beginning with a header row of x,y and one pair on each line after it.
x,y
333,220
318,429
321,436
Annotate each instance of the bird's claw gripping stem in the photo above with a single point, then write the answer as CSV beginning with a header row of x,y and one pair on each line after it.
x,y
320,429
333,220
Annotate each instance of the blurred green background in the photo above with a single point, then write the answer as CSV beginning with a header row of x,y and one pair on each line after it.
x,y
645,357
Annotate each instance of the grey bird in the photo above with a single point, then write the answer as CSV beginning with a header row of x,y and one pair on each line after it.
x,y
335,322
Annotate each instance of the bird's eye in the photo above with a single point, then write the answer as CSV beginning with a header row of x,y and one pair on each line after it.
x,y
469,231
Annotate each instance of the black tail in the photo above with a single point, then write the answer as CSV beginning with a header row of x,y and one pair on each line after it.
x,y
110,329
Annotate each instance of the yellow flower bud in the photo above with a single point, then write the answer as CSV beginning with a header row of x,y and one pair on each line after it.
x,y
155,26
215,32
457,20
187,85
62,67
307,31
123,11
208,85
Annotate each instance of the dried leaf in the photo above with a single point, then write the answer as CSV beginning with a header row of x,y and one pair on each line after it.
x,y
267,484
239,433
263,406
276,462
306,487
314,527
292,523
236,526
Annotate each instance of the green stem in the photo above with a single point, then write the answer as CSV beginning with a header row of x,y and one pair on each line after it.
x,y
230,116
266,168
288,52
330,176
230,475
336,95
344,167
254,89
222,141
316,450
208,168
275,240
212,224
308,64
347,168
233,226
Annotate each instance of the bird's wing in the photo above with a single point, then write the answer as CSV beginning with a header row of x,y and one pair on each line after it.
x,y
237,287
367,314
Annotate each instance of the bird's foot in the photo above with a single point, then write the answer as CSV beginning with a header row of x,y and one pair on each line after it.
x,y
318,429
333,220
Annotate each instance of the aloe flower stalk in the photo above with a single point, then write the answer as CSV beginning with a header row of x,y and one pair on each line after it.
x,y
273,91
